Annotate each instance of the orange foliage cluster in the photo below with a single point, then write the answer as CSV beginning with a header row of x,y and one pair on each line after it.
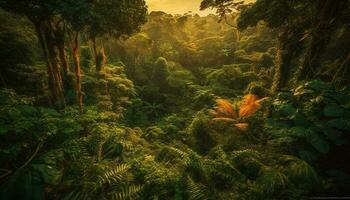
x,y
249,105
224,111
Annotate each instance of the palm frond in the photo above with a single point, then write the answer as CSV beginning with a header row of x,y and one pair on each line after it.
x,y
272,180
225,108
224,119
242,126
249,105
301,171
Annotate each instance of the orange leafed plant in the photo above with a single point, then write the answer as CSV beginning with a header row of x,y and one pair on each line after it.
x,y
249,105
224,111
242,126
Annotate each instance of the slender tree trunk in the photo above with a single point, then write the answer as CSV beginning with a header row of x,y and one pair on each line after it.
x,y
283,61
94,48
64,61
103,56
76,60
43,45
100,55
53,69
56,69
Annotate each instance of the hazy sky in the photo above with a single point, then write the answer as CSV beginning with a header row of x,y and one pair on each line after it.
x,y
176,6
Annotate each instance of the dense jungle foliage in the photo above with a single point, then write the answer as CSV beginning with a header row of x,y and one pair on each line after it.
x,y
105,100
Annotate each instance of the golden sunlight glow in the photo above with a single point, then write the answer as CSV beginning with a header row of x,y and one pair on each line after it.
x,y
177,6
180,6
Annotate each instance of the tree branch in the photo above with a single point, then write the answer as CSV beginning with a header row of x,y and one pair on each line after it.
x,y
7,172
33,156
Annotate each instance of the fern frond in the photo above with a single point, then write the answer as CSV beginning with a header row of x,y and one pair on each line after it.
x,y
180,153
195,165
113,175
246,153
225,170
75,195
196,191
75,149
301,171
272,180
248,162
129,192
169,153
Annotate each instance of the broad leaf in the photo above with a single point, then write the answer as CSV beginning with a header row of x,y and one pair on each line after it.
x,y
333,111
319,143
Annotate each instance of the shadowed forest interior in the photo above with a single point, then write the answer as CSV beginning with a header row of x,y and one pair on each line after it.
x,y
106,99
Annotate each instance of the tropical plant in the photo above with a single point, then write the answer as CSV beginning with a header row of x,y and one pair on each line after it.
x,y
314,116
224,111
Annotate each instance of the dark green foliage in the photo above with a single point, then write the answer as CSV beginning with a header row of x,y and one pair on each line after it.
x,y
86,58
110,89
25,131
17,48
200,131
160,71
147,129
229,79
314,113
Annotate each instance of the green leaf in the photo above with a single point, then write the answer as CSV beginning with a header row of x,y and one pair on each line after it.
x,y
318,85
3,129
302,91
334,136
288,109
299,120
276,124
49,174
308,156
340,123
317,141
299,131
333,111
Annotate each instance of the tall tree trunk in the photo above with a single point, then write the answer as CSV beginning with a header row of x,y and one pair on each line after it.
x,y
76,60
101,62
54,78
94,48
283,61
64,61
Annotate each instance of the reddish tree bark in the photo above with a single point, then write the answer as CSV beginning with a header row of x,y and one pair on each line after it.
x,y
76,60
